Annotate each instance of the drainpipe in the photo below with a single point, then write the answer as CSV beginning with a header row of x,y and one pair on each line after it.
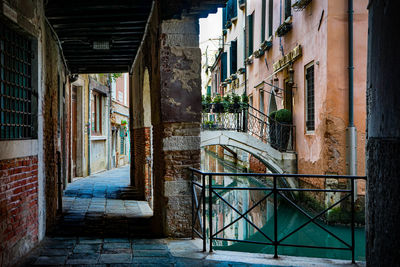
x,y
89,128
351,129
109,125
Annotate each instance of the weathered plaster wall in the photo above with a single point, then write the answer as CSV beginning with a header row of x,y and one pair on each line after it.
x,y
324,44
172,56
29,180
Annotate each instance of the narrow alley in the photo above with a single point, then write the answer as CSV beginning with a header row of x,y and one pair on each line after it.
x,y
108,109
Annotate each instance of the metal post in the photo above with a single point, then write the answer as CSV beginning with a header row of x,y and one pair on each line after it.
x,y
352,222
275,221
193,201
203,192
210,208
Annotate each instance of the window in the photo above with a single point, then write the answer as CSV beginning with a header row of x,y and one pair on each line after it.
x,y
18,99
233,57
231,9
122,136
288,8
224,18
250,19
263,18
96,113
310,104
270,16
261,106
224,63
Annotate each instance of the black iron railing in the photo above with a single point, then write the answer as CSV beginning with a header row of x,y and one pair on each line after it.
x,y
280,136
204,191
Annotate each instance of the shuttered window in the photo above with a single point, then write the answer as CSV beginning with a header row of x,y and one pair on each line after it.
x,y
288,8
263,19
310,99
224,18
250,34
224,66
270,16
17,98
233,57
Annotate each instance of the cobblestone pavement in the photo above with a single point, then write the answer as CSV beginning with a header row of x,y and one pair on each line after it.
x,y
102,226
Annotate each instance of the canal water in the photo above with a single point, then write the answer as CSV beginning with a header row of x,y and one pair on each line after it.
x,y
289,218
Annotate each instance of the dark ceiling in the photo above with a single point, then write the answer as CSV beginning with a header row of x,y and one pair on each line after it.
x,y
81,24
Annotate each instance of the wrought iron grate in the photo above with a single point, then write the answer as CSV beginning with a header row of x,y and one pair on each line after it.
x,y
16,92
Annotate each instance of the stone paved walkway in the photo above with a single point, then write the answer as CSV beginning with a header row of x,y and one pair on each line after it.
x,y
102,226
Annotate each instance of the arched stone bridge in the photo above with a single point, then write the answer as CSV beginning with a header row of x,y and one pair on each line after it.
x,y
276,161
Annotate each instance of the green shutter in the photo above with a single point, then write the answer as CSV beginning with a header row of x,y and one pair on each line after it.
x,y
209,90
224,63
224,16
288,8
233,57
251,34
263,18
270,16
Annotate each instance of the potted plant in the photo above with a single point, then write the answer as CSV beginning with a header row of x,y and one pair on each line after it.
x,y
283,128
218,107
226,102
206,103
245,101
272,129
284,28
235,104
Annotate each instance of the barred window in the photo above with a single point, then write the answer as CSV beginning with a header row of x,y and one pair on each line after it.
x,y
17,98
310,103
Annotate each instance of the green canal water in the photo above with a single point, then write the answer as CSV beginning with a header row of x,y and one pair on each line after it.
x,y
289,218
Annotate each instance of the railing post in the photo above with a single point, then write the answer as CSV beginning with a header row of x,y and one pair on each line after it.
x,y
192,185
203,193
352,222
275,220
210,209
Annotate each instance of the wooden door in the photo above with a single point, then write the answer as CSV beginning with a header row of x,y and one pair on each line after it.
x,y
74,129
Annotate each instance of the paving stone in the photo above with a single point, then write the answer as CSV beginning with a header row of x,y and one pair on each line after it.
x,y
149,246
83,258
55,252
116,240
115,258
86,240
87,248
50,260
150,253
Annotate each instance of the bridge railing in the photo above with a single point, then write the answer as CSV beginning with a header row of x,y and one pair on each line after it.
x,y
280,136
204,207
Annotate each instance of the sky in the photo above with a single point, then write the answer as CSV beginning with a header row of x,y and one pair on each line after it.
x,y
210,32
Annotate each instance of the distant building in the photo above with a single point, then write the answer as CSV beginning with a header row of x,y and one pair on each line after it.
x,y
295,57
119,121
90,124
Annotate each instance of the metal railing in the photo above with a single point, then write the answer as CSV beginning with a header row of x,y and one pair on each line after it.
x,y
203,192
280,136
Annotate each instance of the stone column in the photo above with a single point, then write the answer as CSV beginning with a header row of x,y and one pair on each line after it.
x,y
180,89
383,147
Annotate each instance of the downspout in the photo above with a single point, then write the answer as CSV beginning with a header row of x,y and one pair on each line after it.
x,y
246,50
109,125
89,128
351,129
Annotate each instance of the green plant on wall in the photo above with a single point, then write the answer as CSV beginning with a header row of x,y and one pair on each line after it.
x,y
115,76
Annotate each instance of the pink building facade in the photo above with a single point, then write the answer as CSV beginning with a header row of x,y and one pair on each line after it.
x,y
303,53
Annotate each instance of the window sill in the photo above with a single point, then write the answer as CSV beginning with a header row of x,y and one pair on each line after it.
x,y
98,138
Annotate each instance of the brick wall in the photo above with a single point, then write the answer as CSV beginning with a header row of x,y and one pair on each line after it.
x,y
18,208
256,165
141,151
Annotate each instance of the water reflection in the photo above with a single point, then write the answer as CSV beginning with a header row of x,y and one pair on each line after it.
x,y
289,218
